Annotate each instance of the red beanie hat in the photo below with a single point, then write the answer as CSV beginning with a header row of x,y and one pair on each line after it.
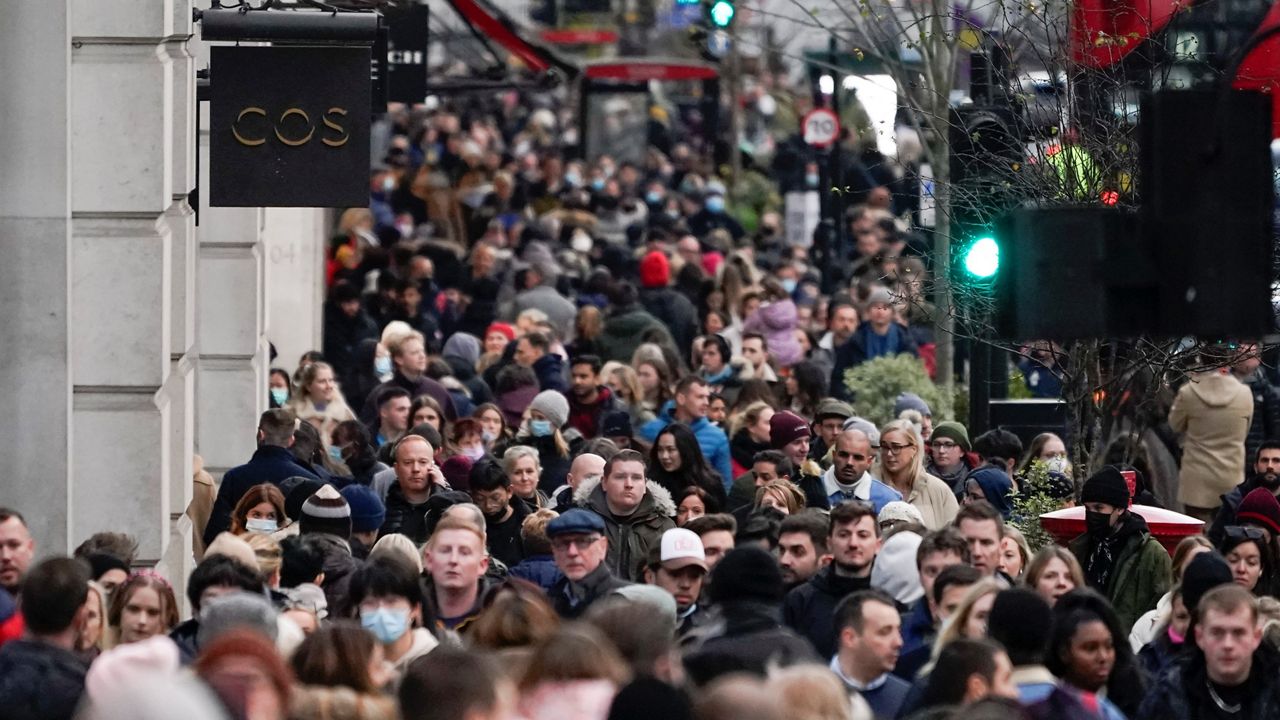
x,y
655,271
1260,507
503,328
785,428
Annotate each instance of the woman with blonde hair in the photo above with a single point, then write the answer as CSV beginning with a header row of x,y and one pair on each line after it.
x,y
625,383
781,495
969,621
812,692
749,435
398,546
575,673
902,467
89,643
319,401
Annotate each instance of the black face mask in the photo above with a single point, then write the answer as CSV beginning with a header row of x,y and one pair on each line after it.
x,y
1097,524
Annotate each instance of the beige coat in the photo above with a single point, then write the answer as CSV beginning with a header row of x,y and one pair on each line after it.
x,y
935,501
202,497
1213,412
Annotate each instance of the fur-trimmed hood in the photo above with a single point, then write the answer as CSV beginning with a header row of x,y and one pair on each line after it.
x,y
655,496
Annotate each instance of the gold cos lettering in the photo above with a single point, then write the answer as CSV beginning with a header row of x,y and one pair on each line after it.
x,y
294,127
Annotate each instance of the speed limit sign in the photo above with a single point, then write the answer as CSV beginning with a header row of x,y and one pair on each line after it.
x,y
820,127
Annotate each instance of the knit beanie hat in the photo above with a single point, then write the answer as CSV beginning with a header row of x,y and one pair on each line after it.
x,y
457,472
1105,486
367,510
996,486
747,573
1261,507
296,490
895,569
953,431
786,427
911,401
553,405
1206,571
463,346
1021,621
125,664
228,545
503,328
655,271
326,512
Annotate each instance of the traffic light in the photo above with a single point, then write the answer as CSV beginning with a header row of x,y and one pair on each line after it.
x,y
982,258
720,13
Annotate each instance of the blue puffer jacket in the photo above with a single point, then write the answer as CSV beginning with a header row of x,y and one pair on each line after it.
x,y
712,440
540,570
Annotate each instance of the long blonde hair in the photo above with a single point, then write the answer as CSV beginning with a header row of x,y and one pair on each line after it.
x,y
631,391
916,469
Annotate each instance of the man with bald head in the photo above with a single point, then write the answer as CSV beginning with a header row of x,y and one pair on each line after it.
x,y
585,467
849,477
417,479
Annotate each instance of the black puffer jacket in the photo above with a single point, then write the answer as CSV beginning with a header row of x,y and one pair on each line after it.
x,y
676,312
1183,692
39,681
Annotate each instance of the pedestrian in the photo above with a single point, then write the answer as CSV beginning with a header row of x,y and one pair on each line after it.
x,y
869,640
902,469
386,597
142,608
575,673
40,676
319,400
1089,651
634,511
1213,411
1054,572
340,671
676,462
579,545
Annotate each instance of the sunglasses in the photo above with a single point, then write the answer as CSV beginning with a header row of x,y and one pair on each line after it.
x,y
1240,532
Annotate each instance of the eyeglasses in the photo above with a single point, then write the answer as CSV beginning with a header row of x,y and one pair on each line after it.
x,y
895,448
943,445
582,542
1240,532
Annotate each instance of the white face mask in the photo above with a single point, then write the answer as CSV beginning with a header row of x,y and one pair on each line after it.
x,y
261,525
581,242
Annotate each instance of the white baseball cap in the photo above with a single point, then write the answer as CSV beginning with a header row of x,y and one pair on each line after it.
x,y
682,548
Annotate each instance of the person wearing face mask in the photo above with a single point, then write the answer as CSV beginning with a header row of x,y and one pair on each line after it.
x,y
389,603
1119,556
1265,474
540,430
367,515
714,214
260,510
352,447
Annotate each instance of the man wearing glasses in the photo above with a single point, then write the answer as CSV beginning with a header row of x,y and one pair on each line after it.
x,y
949,455
579,546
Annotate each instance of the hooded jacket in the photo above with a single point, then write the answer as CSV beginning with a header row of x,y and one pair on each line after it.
x,y
777,321
627,329
404,517
1140,571
630,537
712,440
1213,411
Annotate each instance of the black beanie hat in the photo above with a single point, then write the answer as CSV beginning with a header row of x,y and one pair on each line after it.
x,y
648,697
1021,621
296,490
1206,571
1106,486
748,573
102,563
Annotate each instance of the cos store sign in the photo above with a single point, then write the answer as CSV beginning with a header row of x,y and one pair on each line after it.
x,y
289,127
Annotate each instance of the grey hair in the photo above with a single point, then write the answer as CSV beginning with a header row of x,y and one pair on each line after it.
x,y
513,455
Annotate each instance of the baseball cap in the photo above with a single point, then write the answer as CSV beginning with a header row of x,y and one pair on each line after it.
x,y
681,548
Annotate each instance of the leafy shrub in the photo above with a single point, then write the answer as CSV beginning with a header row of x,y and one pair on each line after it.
x,y
876,384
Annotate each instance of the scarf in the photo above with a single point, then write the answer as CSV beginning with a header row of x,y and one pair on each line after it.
x,y
1102,557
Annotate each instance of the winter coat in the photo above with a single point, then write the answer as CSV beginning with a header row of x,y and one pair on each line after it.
x,y
319,702
777,321
202,498
550,371
405,517
1139,576
342,335
540,570
599,583
338,566
1266,413
630,537
560,311
324,420
39,681
877,493
586,418
422,386
855,352
1213,411
934,499
742,451
712,440
627,329
1156,657
1182,693
675,312
753,640
359,381
810,609
269,464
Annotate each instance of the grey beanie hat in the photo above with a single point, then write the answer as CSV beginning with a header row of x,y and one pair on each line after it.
x,y
553,405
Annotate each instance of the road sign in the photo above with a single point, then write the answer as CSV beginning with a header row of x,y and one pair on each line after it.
x,y
820,127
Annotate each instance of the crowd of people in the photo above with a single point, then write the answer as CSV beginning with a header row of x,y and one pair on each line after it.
x,y
578,444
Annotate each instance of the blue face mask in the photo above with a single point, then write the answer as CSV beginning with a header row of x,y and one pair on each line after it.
x,y
789,285
572,179
335,453
261,525
715,204
811,180
597,184
382,365
386,624
653,198
279,396
540,428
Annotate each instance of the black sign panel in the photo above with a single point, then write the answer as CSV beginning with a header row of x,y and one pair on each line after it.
x,y
407,53
289,127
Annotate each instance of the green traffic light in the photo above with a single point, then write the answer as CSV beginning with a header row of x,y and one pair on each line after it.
x,y
982,259
722,12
